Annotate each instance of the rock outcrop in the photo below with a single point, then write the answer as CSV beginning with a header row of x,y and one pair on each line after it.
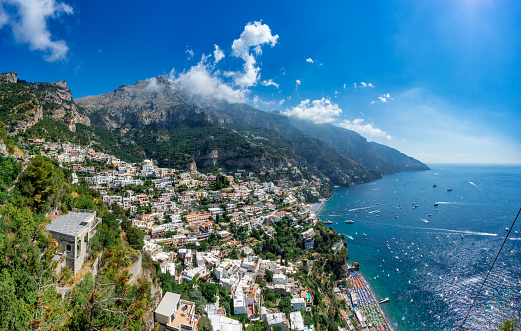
x,y
25,104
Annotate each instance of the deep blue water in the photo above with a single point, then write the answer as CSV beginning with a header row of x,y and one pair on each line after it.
x,y
431,267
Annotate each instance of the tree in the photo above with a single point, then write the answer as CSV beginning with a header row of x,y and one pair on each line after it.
x,y
199,300
285,305
205,324
136,238
209,290
40,181
268,275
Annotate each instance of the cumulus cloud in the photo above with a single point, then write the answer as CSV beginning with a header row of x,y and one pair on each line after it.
x,y
269,82
218,54
310,60
362,85
28,20
317,111
386,97
364,129
200,80
254,35
297,83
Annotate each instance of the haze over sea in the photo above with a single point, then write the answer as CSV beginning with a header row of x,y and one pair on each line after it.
x,y
431,267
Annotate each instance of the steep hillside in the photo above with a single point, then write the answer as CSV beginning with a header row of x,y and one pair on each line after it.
x,y
24,104
376,157
153,112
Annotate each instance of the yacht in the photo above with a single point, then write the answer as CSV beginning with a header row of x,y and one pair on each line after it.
x,y
350,222
327,222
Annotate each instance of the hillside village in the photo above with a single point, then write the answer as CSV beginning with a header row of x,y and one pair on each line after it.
x,y
230,250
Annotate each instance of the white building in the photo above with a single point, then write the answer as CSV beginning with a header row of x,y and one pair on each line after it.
x,y
239,302
296,320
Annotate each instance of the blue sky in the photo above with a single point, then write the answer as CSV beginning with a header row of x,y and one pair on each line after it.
x,y
438,80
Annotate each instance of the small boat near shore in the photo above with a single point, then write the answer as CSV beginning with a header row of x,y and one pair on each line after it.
x,y
327,222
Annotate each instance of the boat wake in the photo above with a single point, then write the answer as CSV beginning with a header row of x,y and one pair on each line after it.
x,y
359,208
471,183
466,232
452,202
348,236
423,219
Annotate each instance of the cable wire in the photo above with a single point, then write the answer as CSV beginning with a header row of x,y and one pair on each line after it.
x,y
489,271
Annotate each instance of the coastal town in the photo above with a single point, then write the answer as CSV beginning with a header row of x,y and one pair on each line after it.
x,y
232,250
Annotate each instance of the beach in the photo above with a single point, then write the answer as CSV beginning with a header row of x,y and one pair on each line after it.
x,y
316,207
369,307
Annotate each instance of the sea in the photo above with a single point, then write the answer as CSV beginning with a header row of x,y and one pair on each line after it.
x,y
430,261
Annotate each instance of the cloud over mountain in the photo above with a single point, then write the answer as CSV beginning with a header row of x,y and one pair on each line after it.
x,y
317,111
364,129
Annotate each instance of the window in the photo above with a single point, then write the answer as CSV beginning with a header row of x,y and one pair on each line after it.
x,y
86,238
78,246
68,248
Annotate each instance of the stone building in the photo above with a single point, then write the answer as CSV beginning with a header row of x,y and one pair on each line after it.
x,y
73,232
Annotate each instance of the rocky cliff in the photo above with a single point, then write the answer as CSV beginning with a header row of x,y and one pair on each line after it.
x,y
24,104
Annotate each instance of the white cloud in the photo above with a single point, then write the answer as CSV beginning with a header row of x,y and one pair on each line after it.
x,y
386,97
364,129
269,82
362,85
318,111
258,102
190,54
254,35
152,85
200,80
29,25
281,102
297,82
345,86
310,60
218,54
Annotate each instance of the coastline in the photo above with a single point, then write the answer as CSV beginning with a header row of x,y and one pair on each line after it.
x,y
371,291
316,208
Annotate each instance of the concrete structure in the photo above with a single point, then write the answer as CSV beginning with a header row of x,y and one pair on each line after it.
x,y
219,320
175,314
239,302
298,304
296,321
73,232
276,319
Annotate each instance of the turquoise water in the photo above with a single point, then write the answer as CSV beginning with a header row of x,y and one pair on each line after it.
x,y
431,267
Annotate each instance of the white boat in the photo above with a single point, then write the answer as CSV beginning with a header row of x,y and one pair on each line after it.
x,y
350,222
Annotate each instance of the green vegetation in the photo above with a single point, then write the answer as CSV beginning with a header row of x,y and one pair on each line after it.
x,y
9,170
29,298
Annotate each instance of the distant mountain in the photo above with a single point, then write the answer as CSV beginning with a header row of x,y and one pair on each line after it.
x,y
377,157
156,119
158,106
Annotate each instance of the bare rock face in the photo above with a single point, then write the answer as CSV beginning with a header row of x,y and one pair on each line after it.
x,y
52,100
9,77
